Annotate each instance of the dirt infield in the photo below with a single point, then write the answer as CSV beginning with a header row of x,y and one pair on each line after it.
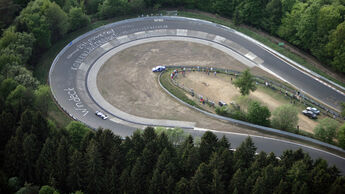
x,y
218,88
127,82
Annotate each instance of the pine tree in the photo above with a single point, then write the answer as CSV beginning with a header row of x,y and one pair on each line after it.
x,y
217,185
182,187
200,180
238,181
45,162
245,154
30,152
224,143
207,146
94,169
61,164
76,171
156,185
14,154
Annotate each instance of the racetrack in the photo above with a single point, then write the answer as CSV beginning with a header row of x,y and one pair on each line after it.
x,y
71,69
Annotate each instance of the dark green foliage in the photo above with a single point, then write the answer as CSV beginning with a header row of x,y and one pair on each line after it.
x,y
77,19
31,150
326,129
341,136
77,131
245,82
45,20
102,167
76,171
232,112
245,154
258,114
80,159
208,145
94,169
47,190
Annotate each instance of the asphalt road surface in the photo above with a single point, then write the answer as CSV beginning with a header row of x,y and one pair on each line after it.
x,y
69,72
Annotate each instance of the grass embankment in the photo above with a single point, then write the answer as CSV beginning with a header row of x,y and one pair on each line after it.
x,y
176,91
41,70
263,40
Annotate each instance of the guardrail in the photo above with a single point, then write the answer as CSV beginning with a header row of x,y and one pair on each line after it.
x,y
289,91
247,124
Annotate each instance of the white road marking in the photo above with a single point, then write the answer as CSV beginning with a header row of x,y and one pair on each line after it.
x,y
250,56
181,32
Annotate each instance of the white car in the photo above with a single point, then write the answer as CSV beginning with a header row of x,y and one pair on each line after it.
x,y
314,110
158,69
104,117
100,114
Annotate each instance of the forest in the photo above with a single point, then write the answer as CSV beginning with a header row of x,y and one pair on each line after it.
x,y
315,26
38,156
79,160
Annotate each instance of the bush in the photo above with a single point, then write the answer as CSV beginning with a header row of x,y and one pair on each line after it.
x,y
258,114
326,130
285,117
77,18
231,113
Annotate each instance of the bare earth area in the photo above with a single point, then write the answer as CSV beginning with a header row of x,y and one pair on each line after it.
x,y
127,82
219,88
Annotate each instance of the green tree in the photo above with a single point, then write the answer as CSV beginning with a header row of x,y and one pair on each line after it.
x,y
341,136
45,19
182,186
245,82
7,128
14,154
18,44
7,86
61,164
111,8
94,169
328,18
238,181
207,146
258,114
77,18
30,153
200,180
298,176
156,185
76,171
285,117
307,24
28,189
45,162
245,154
336,47
42,98
273,15
46,189
19,99
326,129
22,76
217,185
77,131
288,28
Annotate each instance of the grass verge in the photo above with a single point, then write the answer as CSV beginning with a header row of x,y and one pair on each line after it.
x,y
178,92
263,40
